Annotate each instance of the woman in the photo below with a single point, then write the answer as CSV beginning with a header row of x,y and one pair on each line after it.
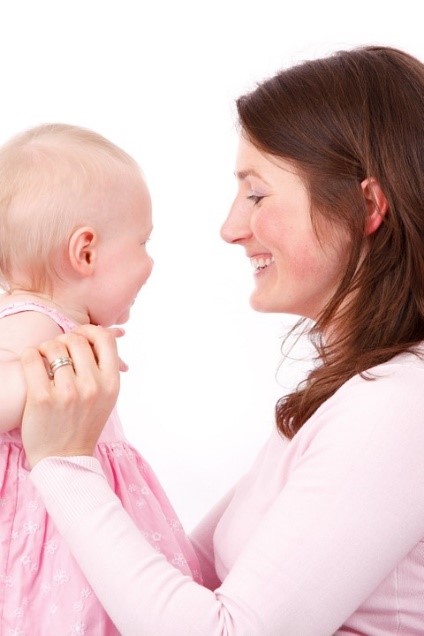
x,y
324,534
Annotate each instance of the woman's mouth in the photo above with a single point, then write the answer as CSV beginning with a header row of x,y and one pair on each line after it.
x,y
260,263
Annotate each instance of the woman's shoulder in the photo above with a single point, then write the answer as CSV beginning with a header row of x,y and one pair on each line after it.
x,y
393,390
414,357
407,366
382,407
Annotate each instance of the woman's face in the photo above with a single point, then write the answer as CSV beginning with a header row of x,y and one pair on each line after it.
x,y
294,271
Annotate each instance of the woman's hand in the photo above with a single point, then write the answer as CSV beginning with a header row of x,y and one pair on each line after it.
x,y
66,411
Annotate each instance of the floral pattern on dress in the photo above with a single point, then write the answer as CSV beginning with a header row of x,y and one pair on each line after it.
x,y
42,590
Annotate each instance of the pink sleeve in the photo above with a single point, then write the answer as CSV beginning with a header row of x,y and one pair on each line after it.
x,y
356,492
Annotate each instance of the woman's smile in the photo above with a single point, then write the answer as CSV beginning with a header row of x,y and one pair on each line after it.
x,y
295,271
260,263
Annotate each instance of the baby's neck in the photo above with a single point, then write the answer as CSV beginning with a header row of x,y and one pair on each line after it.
x,y
75,313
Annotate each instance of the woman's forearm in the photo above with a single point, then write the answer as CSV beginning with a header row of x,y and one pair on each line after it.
x,y
304,570
154,598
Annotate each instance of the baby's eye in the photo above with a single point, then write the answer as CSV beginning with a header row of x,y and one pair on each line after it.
x,y
256,198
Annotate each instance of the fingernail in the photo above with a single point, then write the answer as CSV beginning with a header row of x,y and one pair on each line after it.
x,y
117,331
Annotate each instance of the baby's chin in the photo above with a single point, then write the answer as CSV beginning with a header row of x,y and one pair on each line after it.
x,y
113,322
121,320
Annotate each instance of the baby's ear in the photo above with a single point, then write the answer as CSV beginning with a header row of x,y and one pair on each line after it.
x,y
82,250
376,202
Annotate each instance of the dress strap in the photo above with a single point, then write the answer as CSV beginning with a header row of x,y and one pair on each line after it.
x,y
60,319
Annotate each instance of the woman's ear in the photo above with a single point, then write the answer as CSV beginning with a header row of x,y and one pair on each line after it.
x,y
376,203
82,249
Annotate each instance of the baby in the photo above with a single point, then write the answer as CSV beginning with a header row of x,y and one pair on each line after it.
x,y
75,216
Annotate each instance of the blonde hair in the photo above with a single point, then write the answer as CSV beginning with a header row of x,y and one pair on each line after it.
x,y
46,176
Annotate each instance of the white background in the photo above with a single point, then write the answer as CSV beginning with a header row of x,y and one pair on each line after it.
x,y
160,79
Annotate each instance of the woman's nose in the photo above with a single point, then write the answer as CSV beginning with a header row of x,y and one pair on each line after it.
x,y
236,227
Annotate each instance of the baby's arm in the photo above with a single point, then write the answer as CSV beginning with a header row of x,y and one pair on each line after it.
x,y
18,331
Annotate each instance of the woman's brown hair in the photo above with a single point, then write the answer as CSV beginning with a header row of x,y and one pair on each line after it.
x,y
342,119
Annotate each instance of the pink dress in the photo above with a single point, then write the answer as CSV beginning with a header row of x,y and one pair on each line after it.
x,y
42,590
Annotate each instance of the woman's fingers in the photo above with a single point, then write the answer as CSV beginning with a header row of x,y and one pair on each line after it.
x,y
36,374
90,348
104,345
118,332
41,418
65,414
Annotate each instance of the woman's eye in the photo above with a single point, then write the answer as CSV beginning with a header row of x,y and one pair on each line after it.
x,y
255,198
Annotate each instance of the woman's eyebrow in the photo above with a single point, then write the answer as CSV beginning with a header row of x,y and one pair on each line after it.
x,y
243,174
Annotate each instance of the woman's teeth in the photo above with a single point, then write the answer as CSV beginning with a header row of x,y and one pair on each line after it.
x,y
261,263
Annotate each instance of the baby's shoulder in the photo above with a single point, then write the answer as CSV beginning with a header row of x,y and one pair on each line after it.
x,y
21,327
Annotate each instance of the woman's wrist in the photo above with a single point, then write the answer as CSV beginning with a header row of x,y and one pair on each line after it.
x,y
70,486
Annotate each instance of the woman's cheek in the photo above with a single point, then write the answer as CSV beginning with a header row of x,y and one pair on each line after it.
x,y
268,228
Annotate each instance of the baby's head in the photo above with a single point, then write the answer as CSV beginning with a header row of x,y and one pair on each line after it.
x,y
54,179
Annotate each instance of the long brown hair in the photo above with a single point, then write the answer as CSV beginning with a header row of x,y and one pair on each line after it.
x,y
354,115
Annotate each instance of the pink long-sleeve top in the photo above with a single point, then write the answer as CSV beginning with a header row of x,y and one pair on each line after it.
x,y
324,535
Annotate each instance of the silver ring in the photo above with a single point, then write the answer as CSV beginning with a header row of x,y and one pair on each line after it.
x,y
59,362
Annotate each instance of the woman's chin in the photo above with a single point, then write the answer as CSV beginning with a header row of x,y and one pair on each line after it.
x,y
265,304
260,303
